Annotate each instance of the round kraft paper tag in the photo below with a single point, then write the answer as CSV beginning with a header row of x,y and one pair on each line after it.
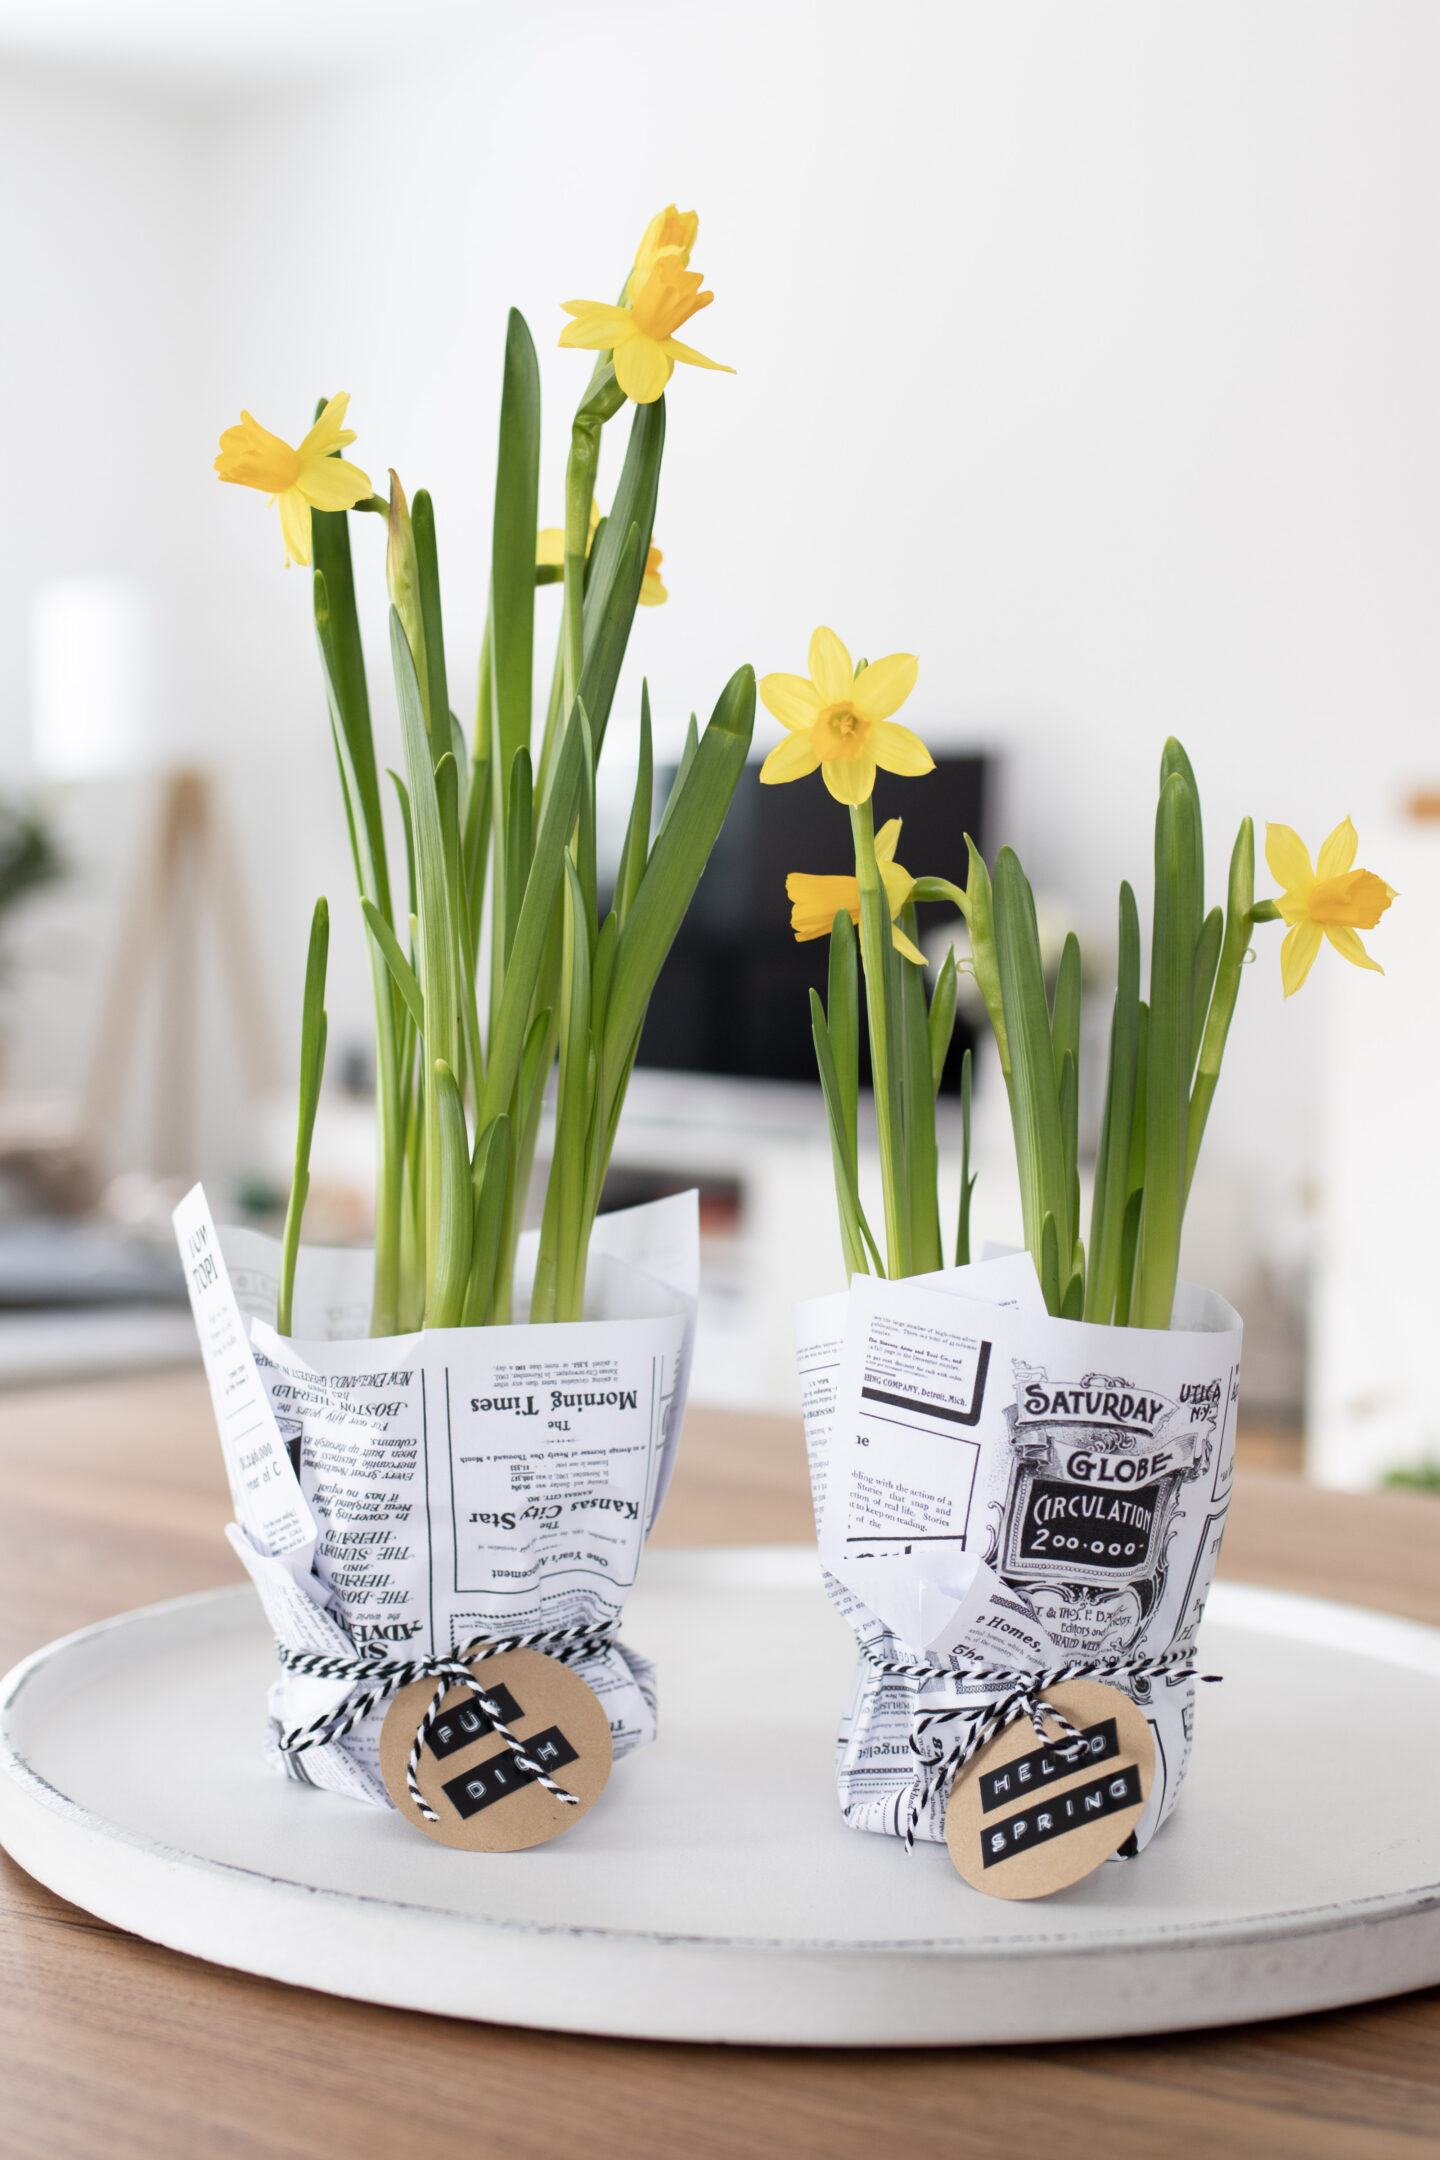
x,y
1023,1820
486,1800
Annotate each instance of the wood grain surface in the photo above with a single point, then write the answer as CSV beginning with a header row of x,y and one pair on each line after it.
x,y
111,1495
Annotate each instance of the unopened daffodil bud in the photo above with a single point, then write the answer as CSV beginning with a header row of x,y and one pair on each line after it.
x,y
402,576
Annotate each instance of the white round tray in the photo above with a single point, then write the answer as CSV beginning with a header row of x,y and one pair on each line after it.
x,y
714,1893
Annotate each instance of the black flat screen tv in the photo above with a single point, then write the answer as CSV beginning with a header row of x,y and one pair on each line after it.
x,y
733,995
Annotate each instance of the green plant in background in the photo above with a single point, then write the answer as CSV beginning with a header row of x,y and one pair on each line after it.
x,y
489,824
1417,1477
1165,1048
29,856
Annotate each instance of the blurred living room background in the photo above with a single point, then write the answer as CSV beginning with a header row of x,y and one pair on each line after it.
x,y
1088,351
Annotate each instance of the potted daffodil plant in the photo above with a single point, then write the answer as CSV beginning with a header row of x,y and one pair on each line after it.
x,y
428,1428
1022,1463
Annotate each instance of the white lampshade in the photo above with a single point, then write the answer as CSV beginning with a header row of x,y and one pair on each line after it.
x,y
90,679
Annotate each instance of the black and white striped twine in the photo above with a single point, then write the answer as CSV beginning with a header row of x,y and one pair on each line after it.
x,y
1008,1695
375,1681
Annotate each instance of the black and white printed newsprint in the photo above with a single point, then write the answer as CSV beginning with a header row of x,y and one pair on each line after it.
x,y
397,1496
998,1488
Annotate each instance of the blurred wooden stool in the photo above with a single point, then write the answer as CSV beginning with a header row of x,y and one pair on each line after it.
x,y
187,866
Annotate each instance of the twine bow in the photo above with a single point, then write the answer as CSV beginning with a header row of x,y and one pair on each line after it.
x,y
375,1681
1011,1695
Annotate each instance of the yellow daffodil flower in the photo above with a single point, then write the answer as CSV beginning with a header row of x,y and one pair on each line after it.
x,y
1331,900
298,480
662,293
550,555
652,592
816,901
841,721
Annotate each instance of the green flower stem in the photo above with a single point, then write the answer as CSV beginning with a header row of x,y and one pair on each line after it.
x,y
886,1023
342,662
478,811
847,1194
601,402
313,1029
1112,1162
402,574
539,1051
976,905
434,681
1046,1180
842,1021
436,970
1240,914
445,1304
1167,1095
939,888
918,1104
967,1176
942,1017
553,709
560,1274
835,1030
410,1313
390,1163
511,616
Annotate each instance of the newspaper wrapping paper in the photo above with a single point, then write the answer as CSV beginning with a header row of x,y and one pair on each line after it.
x,y
403,1494
994,1485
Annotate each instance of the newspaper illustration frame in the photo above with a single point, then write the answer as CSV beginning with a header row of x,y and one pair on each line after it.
x,y
1072,1441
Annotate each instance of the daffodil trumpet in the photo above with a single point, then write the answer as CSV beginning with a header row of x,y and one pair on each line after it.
x,y
499,847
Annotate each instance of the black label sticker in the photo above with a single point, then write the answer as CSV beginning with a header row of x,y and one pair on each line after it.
x,y
1076,1525
1019,1779
500,1775
466,1721
1051,1818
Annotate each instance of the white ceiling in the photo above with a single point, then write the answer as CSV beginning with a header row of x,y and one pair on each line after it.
x,y
215,44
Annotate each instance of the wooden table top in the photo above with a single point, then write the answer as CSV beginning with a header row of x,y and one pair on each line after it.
x,y
112,1495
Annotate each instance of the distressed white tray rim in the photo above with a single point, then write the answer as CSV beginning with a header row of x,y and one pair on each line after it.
x,y
710,1904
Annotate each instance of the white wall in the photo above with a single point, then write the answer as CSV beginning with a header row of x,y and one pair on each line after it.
x,y
98,257
1088,352
1373,1403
